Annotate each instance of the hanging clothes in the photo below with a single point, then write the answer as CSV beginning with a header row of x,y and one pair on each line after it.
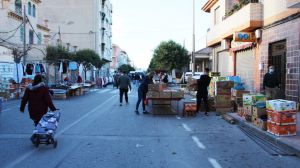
x,y
29,69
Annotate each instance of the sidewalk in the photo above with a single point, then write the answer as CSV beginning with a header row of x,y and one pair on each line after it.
x,y
291,143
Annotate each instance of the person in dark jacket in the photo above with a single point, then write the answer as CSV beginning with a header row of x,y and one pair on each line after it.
x,y
123,85
39,100
142,92
202,92
271,84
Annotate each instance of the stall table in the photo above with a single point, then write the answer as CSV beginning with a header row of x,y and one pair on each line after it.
x,y
164,105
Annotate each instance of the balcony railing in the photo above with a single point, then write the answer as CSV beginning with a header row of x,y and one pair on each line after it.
x,y
236,7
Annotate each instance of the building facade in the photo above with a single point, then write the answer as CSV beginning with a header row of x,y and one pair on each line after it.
x,y
249,36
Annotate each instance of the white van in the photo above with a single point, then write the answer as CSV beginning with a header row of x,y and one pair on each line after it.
x,y
187,75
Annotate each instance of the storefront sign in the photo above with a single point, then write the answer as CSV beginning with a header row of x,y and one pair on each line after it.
x,y
244,37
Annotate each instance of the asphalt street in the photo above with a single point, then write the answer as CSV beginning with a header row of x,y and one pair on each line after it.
x,y
94,131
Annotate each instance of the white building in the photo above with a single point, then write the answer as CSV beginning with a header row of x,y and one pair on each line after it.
x,y
81,24
13,32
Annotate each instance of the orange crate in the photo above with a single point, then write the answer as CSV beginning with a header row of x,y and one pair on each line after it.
x,y
282,130
190,107
282,117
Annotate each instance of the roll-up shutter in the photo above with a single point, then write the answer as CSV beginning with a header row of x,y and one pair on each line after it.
x,y
245,68
224,63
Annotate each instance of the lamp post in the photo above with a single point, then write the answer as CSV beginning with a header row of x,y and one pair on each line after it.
x,y
193,52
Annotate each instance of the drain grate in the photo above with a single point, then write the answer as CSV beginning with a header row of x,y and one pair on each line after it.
x,y
265,143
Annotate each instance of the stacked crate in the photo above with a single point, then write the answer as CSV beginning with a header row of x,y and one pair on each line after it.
x,y
249,102
223,95
282,117
237,99
259,117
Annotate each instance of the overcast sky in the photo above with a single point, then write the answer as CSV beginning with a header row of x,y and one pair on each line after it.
x,y
140,25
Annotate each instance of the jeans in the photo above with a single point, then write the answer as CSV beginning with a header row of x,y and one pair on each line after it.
x,y
141,97
204,97
123,91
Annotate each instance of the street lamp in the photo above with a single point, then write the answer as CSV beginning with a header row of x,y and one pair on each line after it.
x,y
193,52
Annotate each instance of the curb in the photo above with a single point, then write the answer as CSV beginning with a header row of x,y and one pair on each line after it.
x,y
276,140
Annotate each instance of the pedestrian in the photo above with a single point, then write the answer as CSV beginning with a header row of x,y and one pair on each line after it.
x,y
142,92
165,78
202,92
123,85
271,84
39,100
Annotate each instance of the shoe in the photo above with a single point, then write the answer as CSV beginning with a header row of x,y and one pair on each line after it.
x,y
206,114
145,112
137,112
120,104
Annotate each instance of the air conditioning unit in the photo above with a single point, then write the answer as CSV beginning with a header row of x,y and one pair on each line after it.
x,y
258,33
224,44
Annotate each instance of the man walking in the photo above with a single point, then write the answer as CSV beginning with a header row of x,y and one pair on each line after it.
x,y
202,92
142,91
123,84
271,84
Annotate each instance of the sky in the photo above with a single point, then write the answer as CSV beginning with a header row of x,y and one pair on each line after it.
x,y
140,25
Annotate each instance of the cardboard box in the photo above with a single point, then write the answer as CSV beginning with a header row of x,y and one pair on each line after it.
x,y
282,130
258,112
281,105
152,94
260,123
239,93
156,87
190,106
251,99
223,87
240,111
177,94
283,117
248,110
163,94
222,101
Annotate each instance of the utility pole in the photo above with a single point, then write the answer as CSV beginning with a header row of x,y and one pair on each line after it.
x,y
24,34
193,52
59,35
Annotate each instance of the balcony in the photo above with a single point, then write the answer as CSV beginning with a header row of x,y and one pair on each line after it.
x,y
248,18
15,15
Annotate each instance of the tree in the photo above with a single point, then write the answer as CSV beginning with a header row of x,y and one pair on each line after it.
x,y
56,53
169,55
126,67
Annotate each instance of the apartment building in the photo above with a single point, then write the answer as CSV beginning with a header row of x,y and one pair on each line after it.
x,y
13,33
247,36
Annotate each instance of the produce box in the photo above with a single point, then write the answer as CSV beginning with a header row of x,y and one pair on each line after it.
x,y
248,110
258,112
282,130
223,87
251,99
281,105
282,117
260,123
156,87
152,94
238,93
222,101
190,106
163,94
177,94
240,111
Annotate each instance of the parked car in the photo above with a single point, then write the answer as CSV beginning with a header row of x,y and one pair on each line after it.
x,y
187,75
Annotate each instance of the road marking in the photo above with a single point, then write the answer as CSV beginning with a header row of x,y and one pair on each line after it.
x,y
178,117
28,154
214,163
5,110
186,127
198,143
103,91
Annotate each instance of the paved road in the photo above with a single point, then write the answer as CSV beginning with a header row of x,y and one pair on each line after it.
x,y
96,132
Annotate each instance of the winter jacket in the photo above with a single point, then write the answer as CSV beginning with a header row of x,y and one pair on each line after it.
x,y
144,85
124,82
38,98
270,80
202,84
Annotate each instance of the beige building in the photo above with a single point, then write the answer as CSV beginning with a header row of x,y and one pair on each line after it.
x,y
247,36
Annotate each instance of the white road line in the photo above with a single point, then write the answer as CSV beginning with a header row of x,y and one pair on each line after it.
x,y
5,110
198,143
214,163
178,117
28,154
103,91
186,127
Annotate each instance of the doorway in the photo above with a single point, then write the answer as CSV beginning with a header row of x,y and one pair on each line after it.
x,y
277,58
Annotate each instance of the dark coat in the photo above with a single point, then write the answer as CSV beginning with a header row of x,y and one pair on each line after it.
x,y
38,98
202,84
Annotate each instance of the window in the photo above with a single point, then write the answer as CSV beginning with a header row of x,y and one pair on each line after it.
x,y
22,33
39,38
31,39
217,15
29,8
18,7
33,10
